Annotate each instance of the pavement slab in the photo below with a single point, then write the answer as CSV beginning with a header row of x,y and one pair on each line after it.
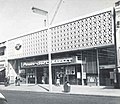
x,y
74,89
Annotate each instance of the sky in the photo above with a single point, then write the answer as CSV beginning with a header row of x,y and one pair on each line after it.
x,y
17,17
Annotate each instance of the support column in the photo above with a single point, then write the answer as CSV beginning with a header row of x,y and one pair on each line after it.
x,y
82,74
116,33
98,69
35,76
26,77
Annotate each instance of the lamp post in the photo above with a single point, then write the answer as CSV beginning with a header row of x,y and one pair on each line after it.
x,y
116,79
45,13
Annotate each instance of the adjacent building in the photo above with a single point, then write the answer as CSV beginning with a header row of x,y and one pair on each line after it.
x,y
82,50
3,61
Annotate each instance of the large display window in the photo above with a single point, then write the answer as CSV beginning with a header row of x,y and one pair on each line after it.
x,y
31,75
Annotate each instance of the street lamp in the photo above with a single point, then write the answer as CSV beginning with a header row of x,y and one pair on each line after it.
x,y
116,52
45,13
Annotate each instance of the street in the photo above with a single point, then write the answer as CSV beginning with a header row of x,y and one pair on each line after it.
x,y
24,97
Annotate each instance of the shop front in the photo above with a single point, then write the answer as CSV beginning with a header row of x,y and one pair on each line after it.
x,y
2,71
70,73
2,74
86,67
42,75
63,69
39,75
107,75
30,75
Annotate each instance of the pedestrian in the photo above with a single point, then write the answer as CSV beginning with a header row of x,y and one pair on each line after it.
x,y
43,80
66,86
5,81
16,81
58,81
8,80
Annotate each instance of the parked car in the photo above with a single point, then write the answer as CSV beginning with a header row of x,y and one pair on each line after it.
x,y
3,99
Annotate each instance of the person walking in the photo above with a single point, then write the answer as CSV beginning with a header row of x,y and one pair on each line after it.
x,y
5,81
58,81
16,81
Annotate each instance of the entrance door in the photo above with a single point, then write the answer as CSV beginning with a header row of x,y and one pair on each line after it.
x,y
2,75
105,78
58,74
31,75
70,74
39,76
42,75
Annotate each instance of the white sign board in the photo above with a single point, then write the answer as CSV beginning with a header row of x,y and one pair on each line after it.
x,y
84,75
78,75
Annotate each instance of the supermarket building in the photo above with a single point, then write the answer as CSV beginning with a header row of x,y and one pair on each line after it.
x,y
82,50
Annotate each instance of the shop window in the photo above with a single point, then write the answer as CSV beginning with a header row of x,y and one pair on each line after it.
x,y
2,52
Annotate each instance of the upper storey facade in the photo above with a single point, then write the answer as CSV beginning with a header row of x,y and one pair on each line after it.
x,y
95,30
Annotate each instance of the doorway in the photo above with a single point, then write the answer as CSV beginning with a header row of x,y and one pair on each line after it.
x,y
39,76
105,77
42,75
31,76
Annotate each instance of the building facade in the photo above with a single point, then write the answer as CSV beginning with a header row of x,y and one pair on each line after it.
x,y
3,61
82,51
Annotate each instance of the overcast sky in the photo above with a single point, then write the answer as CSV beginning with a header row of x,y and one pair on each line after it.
x,y
17,18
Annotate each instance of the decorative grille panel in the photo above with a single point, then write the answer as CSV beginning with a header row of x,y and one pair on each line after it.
x,y
31,45
93,31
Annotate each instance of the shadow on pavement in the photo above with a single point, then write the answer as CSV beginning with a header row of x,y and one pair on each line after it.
x,y
43,87
108,87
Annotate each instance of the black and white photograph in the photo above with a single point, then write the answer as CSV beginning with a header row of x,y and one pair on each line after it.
x,y
59,51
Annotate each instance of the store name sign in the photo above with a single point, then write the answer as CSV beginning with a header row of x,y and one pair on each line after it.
x,y
45,62
18,46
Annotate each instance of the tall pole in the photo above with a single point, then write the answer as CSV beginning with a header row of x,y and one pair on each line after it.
x,y
56,11
98,68
49,54
116,81
43,12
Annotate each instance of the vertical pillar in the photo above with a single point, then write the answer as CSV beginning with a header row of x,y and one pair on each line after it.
x,y
49,55
6,60
35,76
98,69
116,44
82,70
26,77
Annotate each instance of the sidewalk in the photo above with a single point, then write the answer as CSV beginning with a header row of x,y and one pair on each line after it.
x,y
75,89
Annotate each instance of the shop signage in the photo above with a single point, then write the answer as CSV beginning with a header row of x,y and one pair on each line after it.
x,y
111,75
45,62
18,46
107,66
70,70
118,70
78,75
91,79
84,75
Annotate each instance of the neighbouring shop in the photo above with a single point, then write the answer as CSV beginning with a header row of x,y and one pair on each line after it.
x,y
2,74
2,71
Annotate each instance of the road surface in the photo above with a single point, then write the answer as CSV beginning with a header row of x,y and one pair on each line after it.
x,y
24,97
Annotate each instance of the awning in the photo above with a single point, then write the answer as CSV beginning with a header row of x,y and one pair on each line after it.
x,y
1,69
